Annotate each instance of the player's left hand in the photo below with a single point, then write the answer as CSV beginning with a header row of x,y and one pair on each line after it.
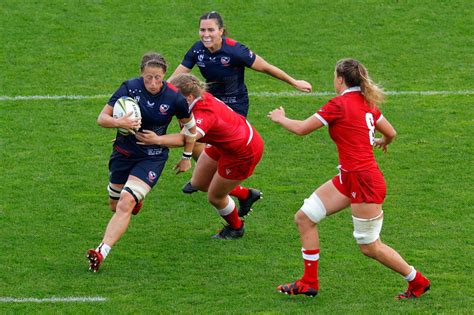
x,y
182,166
277,114
147,137
380,143
303,86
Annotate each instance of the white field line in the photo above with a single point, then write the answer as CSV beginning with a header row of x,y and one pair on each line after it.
x,y
258,94
52,299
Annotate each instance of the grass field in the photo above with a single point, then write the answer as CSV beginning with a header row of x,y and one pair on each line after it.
x,y
53,159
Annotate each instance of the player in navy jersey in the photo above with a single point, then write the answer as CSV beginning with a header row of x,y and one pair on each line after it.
x,y
135,169
222,62
352,118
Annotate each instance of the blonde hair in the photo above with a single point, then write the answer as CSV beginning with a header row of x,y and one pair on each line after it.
x,y
355,74
188,84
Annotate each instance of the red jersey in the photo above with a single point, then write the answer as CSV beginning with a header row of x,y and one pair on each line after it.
x,y
351,124
220,125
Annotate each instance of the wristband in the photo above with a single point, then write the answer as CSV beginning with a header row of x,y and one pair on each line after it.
x,y
187,155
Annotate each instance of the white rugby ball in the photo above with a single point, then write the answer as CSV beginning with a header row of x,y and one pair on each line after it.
x,y
122,107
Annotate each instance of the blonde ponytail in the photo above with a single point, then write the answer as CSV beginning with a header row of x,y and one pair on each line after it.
x,y
373,94
355,74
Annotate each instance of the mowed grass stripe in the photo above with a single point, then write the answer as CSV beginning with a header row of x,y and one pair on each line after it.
x,y
52,299
259,94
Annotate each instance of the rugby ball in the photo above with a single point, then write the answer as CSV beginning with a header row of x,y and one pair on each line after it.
x,y
122,107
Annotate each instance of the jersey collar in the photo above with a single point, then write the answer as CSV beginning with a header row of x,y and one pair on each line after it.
x,y
351,89
194,103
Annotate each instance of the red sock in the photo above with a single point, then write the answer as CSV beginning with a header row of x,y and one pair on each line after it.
x,y
240,192
311,259
233,219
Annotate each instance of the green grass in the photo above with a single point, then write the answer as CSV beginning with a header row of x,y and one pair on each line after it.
x,y
53,160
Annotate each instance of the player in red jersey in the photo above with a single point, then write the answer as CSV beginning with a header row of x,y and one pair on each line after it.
x,y
233,150
353,118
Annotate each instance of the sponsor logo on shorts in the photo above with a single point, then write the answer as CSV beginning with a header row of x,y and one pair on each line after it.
x,y
353,194
228,171
151,176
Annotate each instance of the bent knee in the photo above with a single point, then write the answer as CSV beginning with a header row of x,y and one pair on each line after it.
x,y
125,204
370,250
302,220
313,208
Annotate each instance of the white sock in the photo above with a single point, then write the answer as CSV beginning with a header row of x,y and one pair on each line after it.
x,y
104,249
411,275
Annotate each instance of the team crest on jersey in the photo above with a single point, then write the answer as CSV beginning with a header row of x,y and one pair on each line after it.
x,y
151,176
225,60
164,108
201,57
228,171
354,194
137,98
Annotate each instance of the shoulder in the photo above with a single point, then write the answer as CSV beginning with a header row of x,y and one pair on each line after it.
x,y
231,42
171,92
196,46
171,87
134,83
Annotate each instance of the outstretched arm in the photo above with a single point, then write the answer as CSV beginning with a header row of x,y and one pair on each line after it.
x,y
179,69
299,127
388,134
148,137
261,65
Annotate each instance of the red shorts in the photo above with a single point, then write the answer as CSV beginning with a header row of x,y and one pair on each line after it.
x,y
237,167
362,186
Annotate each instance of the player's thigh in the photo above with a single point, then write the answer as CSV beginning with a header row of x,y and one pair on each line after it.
x,y
204,171
220,187
366,210
332,198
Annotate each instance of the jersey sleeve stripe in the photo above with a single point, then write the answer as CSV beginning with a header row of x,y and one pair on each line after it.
x,y
381,116
251,132
321,119
200,131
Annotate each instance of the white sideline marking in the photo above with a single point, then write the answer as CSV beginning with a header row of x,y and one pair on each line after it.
x,y
262,94
52,299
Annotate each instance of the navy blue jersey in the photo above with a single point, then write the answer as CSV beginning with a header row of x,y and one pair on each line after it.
x,y
157,111
224,71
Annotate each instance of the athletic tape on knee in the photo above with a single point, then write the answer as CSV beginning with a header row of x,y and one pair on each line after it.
x,y
137,190
367,231
227,209
314,208
114,192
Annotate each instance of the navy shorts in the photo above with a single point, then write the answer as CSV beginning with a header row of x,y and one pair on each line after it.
x,y
148,169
